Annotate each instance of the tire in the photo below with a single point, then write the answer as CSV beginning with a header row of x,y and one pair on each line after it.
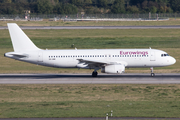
x,y
152,74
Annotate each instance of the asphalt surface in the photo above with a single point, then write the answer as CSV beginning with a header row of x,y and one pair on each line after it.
x,y
97,27
88,79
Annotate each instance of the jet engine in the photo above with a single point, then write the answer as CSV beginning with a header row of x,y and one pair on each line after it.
x,y
113,69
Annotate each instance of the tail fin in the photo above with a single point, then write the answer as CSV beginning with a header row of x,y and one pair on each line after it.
x,y
20,40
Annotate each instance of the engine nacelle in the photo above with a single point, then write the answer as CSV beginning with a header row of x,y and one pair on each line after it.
x,y
113,69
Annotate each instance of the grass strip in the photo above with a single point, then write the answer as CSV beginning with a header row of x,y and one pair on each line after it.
x,y
89,100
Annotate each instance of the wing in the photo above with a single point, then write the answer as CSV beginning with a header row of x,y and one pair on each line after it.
x,y
85,63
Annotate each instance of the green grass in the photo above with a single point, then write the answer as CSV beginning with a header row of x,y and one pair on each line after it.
x,y
89,39
164,39
18,101
45,22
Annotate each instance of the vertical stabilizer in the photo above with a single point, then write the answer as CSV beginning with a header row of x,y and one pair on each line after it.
x,y
20,40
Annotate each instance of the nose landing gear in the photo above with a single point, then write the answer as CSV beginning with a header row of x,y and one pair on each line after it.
x,y
152,74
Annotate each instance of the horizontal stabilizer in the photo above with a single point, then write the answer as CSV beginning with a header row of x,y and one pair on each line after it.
x,y
15,55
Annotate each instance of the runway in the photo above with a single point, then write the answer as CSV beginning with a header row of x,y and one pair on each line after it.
x,y
88,79
96,27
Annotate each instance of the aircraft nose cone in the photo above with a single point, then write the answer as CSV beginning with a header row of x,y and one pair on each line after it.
x,y
174,61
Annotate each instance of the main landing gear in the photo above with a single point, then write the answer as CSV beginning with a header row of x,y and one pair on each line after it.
x,y
152,74
94,74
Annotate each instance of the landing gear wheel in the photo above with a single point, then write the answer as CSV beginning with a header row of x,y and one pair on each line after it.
x,y
152,74
94,74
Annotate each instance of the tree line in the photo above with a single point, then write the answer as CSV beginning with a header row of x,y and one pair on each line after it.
x,y
89,6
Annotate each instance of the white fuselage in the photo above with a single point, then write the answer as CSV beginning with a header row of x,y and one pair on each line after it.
x,y
70,58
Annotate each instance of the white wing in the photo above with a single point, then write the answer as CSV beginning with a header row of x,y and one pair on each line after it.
x,y
84,63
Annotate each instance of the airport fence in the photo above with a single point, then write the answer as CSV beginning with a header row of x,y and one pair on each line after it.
x,y
39,17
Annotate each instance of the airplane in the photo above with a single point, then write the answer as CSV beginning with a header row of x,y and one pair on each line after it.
x,y
113,61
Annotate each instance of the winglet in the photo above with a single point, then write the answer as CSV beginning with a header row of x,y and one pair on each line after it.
x,y
20,40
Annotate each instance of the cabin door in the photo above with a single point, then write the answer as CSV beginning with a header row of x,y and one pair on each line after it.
x,y
40,56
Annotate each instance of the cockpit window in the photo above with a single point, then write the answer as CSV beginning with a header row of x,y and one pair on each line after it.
x,y
164,55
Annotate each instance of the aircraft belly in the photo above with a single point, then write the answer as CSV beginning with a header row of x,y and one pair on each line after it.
x,y
62,63
138,62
